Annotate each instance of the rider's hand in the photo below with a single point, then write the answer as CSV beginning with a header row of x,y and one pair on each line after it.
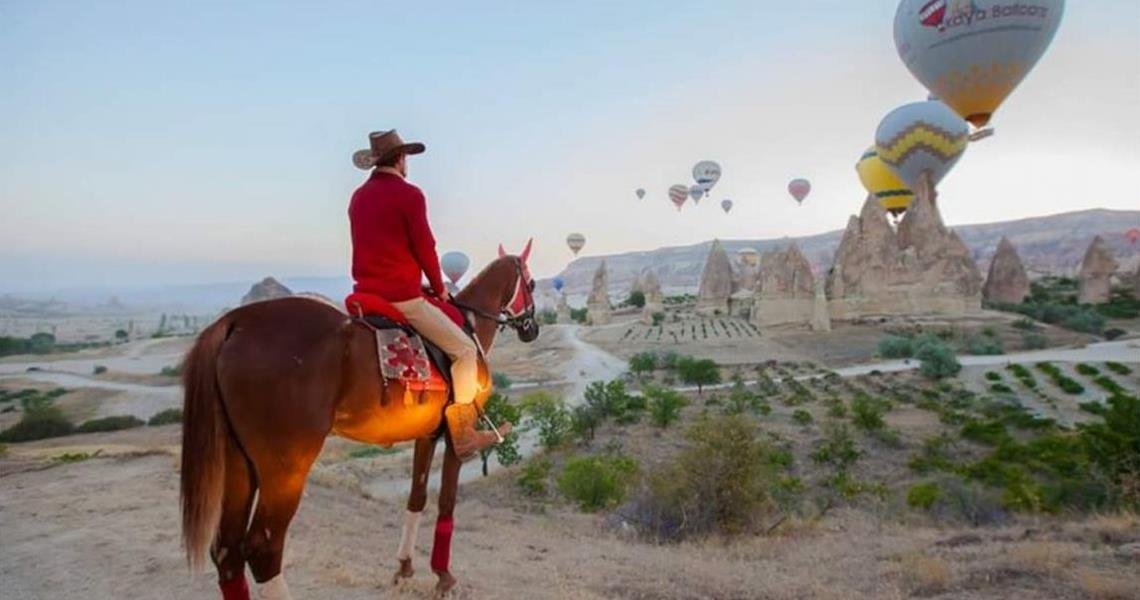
x,y
445,296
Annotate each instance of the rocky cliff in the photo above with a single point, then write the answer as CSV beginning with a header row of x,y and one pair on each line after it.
x,y
266,289
1096,273
1007,281
785,292
716,282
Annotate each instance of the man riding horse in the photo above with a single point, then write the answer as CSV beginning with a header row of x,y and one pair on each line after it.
x,y
392,247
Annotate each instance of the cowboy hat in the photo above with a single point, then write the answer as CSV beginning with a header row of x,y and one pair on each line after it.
x,y
382,145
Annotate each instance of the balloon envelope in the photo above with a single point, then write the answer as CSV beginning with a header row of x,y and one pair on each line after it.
x,y
799,189
726,204
971,55
640,193
882,183
558,282
1133,235
575,241
678,194
706,173
695,192
454,265
921,137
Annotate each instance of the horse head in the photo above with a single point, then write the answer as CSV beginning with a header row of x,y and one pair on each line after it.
x,y
518,307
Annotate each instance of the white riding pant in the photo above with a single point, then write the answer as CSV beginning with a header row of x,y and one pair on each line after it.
x,y
434,325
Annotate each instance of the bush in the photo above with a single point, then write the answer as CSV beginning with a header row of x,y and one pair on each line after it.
x,y
500,381
938,361
114,423
658,318
895,346
636,298
42,423
166,417
642,363
1025,324
1107,384
1067,384
175,371
1114,447
1087,370
837,448
611,400
664,405
532,479
498,410
1034,341
98,370
867,413
1023,375
1000,388
922,495
548,414
597,482
548,316
984,346
578,315
802,417
722,482
993,376
1118,368
1114,333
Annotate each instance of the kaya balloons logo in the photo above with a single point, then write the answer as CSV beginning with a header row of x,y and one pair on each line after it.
x,y
943,14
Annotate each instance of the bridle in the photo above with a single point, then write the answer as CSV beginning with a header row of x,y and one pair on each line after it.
x,y
519,310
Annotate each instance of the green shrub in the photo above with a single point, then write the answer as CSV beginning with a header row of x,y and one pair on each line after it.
x,y
993,376
1107,384
1024,324
1114,333
664,405
1114,447
1118,368
578,315
937,360
611,400
642,363
1034,341
98,370
802,417
987,432
895,346
984,346
597,482
636,298
1095,408
1087,370
501,381
922,495
532,479
837,447
1001,388
549,416
42,423
166,417
548,316
934,456
867,413
698,372
114,423
722,482
658,318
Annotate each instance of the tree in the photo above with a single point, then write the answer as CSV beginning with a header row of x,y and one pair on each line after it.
x,y
938,360
500,410
698,372
584,420
501,381
549,415
664,405
636,298
121,335
642,363
612,400
41,342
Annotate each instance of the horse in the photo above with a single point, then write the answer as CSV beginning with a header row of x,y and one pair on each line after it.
x,y
268,382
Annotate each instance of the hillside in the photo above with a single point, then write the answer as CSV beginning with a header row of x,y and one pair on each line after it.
x,y
1050,244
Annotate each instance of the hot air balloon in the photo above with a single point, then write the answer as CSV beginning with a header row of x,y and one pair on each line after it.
x,y
558,282
1133,235
640,193
972,56
454,265
921,137
706,173
575,241
678,194
726,204
799,189
696,192
882,183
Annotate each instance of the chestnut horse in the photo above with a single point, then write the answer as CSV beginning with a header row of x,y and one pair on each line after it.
x,y
266,383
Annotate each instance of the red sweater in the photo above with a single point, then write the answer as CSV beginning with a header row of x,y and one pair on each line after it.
x,y
392,243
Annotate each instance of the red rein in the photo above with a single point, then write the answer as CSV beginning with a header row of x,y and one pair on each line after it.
x,y
441,548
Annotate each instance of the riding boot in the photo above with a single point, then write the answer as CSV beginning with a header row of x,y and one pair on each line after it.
x,y
465,439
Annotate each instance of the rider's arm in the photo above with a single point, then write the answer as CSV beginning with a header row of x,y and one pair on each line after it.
x,y
423,242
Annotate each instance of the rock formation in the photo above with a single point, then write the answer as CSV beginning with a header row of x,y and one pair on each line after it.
x,y
786,289
563,309
598,302
716,282
1007,282
923,269
820,313
266,289
1096,273
654,299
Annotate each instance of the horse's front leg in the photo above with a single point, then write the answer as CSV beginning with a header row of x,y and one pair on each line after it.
x,y
441,545
417,499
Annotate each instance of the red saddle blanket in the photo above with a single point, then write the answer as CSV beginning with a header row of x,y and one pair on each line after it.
x,y
360,304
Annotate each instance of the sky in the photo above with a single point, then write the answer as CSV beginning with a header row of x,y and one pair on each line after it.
x,y
184,142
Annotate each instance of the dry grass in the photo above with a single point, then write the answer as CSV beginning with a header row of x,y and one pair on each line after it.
x,y
1044,558
1105,586
925,575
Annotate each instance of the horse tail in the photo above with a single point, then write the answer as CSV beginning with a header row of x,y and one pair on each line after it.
x,y
204,438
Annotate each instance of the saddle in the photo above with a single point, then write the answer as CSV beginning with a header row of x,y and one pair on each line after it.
x,y
404,355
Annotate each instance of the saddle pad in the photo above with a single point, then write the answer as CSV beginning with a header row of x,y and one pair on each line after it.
x,y
402,356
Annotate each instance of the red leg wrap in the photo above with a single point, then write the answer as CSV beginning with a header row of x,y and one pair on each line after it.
x,y
441,548
235,589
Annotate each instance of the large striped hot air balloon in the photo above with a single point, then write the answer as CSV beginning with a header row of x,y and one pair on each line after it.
x,y
921,137
972,55
678,194
576,242
882,183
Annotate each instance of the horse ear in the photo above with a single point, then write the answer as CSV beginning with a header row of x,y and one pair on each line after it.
x,y
502,252
526,251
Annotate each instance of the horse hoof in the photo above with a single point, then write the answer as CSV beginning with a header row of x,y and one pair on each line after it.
x,y
405,572
445,584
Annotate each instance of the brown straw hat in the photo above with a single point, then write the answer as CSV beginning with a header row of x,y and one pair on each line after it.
x,y
383,144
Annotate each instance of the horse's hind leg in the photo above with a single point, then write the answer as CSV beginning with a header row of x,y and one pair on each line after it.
x,y
228,553
417,499
280,486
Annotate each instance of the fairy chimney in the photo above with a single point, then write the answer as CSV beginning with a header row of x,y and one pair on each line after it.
x,y
654,300
785,292
820,316
563,309
1007,282
1096,273
598,302
266,289
716,282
